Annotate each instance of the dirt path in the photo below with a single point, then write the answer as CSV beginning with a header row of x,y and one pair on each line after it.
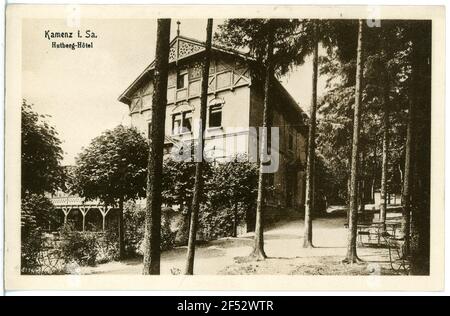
x,y
283,246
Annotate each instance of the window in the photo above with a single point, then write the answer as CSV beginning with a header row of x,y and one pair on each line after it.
x,y
215,116
187,122
176,123
182,122
182,80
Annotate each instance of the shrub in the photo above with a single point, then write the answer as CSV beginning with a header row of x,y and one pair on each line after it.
x,y
181,224
108,247
134,230
35,210
215,223
31,246
134,218
79,247
231,198
167,235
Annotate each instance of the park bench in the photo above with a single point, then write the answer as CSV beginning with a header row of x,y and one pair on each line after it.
x,y
367,233
398,259
377,231
372,233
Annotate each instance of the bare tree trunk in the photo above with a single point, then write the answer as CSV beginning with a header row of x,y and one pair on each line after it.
x,y
348,198
152,234
121,231
372,190
401,181
374,172
235,219
361,204
349,184
258,248
420,181
198,185
384,165
353,212
184,228
407,181
307,239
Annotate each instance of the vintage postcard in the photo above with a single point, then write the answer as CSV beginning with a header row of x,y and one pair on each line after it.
x,y
224,147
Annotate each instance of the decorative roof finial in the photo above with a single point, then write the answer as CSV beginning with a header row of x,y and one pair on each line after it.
x,y
178,28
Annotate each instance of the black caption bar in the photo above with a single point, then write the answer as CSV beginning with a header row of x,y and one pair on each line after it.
x,y
205,305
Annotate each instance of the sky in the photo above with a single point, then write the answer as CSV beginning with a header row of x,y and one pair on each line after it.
x,y
79,88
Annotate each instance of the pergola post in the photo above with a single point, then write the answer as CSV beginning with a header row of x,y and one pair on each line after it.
x,y
84,211
104,211
66,211
103,221
68,203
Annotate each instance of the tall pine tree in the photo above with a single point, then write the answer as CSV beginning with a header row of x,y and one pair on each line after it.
x,y
152,234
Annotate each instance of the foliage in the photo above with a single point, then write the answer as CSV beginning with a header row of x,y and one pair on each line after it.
x,y
294,41
178,181
36,212
167,235
327,188
113,169
386,64
31,246
41,172
231,198
113,166
230,193
41,153
79,247
234,182
108,247
134,215
90,248
215,222
252,34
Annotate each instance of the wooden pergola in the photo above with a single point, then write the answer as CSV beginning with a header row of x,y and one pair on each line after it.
x,y
72,202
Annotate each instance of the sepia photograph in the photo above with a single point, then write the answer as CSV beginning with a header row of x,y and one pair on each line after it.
x,y
247,146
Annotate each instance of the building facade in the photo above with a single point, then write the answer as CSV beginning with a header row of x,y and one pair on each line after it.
x,y
235,111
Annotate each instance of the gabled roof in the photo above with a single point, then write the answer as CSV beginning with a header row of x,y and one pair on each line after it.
x,y
181,47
